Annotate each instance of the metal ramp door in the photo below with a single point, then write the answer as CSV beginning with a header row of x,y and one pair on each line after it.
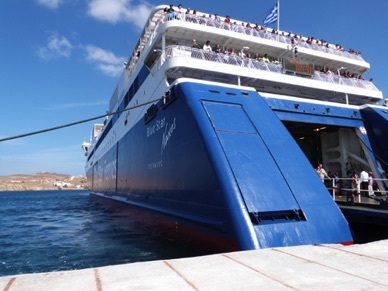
x,y
261,182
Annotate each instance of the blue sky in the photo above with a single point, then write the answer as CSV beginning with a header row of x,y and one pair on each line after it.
x,y
60,61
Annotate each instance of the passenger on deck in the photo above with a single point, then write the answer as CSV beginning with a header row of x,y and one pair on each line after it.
x,y
170,13
265,59
210,20
328,72
385,103
355,184
195,44
203,19
322,173
179,13
370,185
194,52
217,48
364,178
207,47
241,54
337,183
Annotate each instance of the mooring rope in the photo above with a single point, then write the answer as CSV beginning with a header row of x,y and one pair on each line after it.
x,y
77,122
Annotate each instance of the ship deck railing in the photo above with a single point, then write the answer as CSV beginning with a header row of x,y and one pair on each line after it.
x,y
349,187
275,67
264,34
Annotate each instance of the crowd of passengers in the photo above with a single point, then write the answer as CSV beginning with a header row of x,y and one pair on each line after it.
x,y
207,47
232,52
191,15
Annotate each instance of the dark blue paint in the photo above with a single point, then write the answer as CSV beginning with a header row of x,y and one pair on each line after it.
x,y
211,161
376,123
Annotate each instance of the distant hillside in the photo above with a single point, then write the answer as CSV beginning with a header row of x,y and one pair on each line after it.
x,y
41,181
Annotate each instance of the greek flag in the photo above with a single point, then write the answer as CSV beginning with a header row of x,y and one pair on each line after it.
x,y
272,16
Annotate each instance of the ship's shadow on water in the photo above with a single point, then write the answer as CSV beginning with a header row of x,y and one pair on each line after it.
x,y
44,231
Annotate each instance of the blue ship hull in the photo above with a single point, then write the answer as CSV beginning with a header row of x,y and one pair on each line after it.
x,y
216,167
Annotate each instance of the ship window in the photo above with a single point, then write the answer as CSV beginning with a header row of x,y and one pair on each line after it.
x,y
231,94
214,91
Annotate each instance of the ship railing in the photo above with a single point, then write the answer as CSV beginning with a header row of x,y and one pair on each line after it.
x,y
352,189
238,28
336,79
275,67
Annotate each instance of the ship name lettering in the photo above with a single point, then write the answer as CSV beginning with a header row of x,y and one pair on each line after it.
x,y
168,131
155,165
150,130
159,124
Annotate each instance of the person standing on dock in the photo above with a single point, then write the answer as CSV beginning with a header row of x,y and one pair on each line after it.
x,y
364,179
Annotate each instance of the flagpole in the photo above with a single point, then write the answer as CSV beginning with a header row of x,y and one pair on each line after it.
x,y
278,15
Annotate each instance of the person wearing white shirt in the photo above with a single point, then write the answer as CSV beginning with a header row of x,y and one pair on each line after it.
x,y
321,172
364,179
207,47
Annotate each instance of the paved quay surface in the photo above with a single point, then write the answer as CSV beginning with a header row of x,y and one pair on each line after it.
x,y
321,267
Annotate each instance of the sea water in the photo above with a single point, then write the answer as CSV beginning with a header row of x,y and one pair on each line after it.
x,y
44,231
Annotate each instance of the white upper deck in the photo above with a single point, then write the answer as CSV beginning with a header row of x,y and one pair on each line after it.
x,y
267,60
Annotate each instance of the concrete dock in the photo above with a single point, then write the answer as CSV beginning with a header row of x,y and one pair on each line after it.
x,y
320,267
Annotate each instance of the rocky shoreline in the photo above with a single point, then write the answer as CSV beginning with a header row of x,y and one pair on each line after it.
x,y
42,181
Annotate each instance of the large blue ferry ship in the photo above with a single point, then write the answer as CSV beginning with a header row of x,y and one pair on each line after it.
x,y
217,149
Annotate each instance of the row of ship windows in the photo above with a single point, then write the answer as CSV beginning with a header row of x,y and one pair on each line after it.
x,y
142,76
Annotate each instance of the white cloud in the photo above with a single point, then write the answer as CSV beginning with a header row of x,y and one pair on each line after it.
x,y
120,10
53,4
105,61
57,47
110,70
